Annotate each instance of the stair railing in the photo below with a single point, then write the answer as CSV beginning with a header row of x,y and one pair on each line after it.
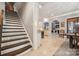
x,y
1,24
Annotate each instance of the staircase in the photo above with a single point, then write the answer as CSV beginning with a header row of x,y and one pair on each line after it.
x,y
15,41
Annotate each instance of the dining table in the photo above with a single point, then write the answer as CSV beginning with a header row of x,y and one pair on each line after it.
x,y
72,38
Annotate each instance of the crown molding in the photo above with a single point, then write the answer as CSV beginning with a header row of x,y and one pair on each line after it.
x,y
65,14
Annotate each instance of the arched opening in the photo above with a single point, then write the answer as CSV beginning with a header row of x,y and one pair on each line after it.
x,y
55,26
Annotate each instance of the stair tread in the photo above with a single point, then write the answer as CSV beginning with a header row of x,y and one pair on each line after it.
x,y
13,35
13,23
13,49
4,34
11,31
8,30
10,25
12,42
11,38
13,28
16,21
13,53
14,45
12,20
15,39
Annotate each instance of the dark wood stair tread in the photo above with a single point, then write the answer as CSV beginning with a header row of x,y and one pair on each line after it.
x,y
14,45
11,31
13,25
13,28
15,39
13,53
13,35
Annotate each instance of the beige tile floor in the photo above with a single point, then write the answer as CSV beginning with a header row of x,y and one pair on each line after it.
x,y
49,45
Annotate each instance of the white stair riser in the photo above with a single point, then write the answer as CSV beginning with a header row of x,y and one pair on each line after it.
x,y
11,27
12,30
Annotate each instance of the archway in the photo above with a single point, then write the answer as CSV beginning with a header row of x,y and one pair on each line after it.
x,y
55,26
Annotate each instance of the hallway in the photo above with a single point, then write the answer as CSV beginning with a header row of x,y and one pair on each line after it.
x,y
54,46
48,47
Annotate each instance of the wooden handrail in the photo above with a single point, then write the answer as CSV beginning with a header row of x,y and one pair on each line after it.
x,y
1,24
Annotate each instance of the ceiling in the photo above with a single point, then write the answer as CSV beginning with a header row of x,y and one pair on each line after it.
x,y
51,9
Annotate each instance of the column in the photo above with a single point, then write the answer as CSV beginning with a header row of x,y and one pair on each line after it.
x,y
35,25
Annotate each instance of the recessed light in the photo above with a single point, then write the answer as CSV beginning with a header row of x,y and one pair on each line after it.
x,y
45,19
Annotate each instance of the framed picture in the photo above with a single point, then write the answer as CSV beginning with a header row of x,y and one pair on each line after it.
x,y
62,24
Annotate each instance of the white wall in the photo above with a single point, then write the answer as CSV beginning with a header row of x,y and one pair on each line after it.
x,y
2,5
17,6
28,13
